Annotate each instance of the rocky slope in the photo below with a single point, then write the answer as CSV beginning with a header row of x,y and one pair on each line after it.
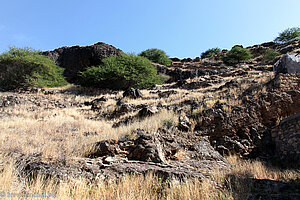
x,y
215,110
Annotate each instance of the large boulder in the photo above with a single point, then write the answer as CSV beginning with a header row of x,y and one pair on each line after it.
x,y
288,64
77,58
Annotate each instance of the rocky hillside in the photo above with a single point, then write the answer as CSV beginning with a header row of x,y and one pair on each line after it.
x,y
182,129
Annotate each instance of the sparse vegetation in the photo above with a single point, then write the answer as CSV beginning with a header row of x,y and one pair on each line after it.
x,y
270,54
25,67
237,55
288,35
210,52
121,72
157,56
87,143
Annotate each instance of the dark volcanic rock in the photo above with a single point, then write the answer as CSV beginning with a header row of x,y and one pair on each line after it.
x,y
132,93
147,111
77,58
96,103
288,64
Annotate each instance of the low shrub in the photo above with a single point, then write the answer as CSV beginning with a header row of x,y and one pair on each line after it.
x,y
270,54
210,52
157,56
121,72
25,67
237,55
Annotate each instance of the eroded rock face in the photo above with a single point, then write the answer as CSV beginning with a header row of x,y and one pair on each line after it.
x,y
288,64
245,129
110,159
77,58
286,137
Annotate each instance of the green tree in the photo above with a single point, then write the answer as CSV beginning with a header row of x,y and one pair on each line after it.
x,y
237,55
121,72
210,52
288,35
25,67
270,54
157,56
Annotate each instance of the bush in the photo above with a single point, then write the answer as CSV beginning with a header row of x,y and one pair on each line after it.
x,y
270,54
210,52
236,55
288,35
157,56
121,72
25,67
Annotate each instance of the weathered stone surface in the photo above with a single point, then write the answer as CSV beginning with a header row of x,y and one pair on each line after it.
x,y
288,64
132,93
184,124
287,138
147,111
147,148
77,58
96,103
110,159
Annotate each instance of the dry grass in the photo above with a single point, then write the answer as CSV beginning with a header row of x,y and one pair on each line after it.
x,y
60,133
218,186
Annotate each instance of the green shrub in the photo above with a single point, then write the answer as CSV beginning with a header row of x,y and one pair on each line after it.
x,y
210,52
270,54
25,67
237,55
288,35
157,56
121,72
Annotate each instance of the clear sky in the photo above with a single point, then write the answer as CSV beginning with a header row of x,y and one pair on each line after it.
x,y
183,28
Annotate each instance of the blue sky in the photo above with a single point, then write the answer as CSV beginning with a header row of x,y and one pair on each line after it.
x,y
183,28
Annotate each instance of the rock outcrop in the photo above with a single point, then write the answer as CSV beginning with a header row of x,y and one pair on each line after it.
x,y
286,137
288,64
77,58
148,153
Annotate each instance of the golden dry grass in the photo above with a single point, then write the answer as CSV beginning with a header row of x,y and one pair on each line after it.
x,y
59,134
218,186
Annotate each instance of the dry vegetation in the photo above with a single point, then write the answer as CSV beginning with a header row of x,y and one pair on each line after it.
x,y
61,133
235,184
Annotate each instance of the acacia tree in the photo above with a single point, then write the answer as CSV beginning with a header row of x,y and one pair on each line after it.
x,y
210,52
121,72
237,55
288,35
157,56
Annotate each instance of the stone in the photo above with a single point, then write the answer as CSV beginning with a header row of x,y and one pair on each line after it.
x,y
166,94
96,103
147,111
132,93
288,64
184,124
205,151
